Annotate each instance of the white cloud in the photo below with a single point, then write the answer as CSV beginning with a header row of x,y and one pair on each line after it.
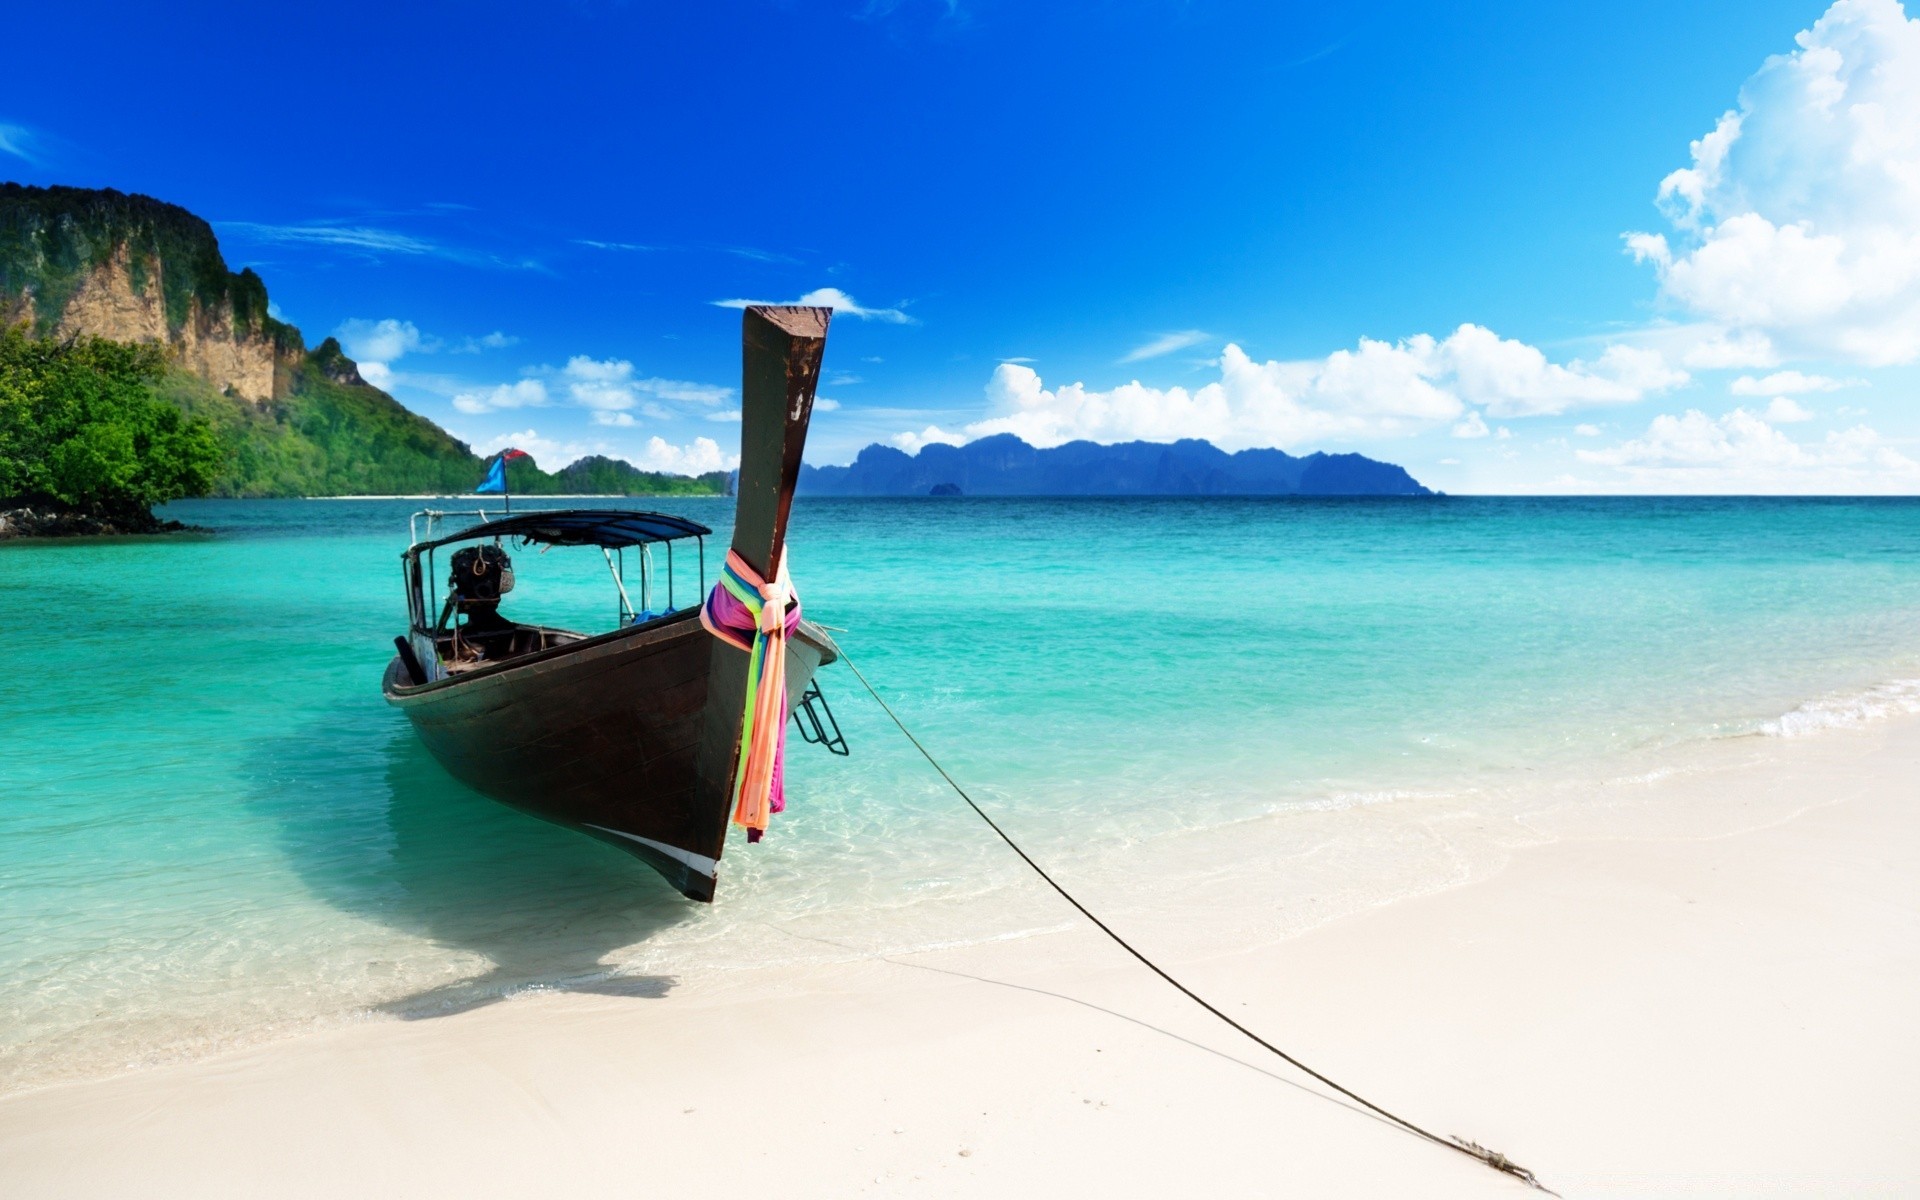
x,y
624,420
932,435
1720,349
596,384
546,452
1784,410
492,341
19,141
682,390
1475,426
841,304
610,384
1799,219
1376,389
357,237
1166,343
1788,383
728,414
526,393
378,374
701,456
1740,451
1513,379
383,341
1586,431
820,404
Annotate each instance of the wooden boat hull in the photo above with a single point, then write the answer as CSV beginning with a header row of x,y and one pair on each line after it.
x,y
601,735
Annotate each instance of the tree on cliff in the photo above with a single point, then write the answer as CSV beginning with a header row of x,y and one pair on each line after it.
x,y
81,430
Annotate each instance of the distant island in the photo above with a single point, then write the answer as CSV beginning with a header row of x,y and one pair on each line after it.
x,y
1004,465
136,368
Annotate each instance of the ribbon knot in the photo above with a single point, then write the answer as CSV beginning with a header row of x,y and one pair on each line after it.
x,y
774,598
756,615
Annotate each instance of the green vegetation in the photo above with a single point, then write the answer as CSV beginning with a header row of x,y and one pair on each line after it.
x,y
102,428
81,429
331,435
52,238
602,476
335,435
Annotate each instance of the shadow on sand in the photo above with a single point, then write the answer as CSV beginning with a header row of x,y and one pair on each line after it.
x,y
382,832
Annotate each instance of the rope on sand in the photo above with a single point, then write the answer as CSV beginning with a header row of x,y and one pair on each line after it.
x,y
1473,1150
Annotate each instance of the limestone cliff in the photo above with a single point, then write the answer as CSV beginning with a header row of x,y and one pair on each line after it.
x,y
124,268
135,269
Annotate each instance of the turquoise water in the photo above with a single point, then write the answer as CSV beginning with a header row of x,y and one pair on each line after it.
x,y
213,829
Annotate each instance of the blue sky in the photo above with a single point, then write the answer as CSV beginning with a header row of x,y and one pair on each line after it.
x,y
1504,247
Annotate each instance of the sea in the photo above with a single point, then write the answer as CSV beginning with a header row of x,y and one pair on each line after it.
x,y
214,832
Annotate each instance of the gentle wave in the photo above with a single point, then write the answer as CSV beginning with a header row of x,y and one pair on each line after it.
x,y
1845,710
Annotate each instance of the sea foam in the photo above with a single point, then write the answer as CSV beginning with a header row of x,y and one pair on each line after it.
x,y
1842,710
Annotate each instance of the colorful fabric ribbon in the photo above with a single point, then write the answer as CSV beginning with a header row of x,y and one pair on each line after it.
x,y
747,612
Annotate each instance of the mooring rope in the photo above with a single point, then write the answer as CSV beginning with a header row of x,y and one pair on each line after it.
x,y
1473,1150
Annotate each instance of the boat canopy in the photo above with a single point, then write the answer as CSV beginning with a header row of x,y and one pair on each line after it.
x,y
609,529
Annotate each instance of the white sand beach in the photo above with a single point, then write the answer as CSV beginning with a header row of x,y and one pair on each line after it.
x,y
1707,988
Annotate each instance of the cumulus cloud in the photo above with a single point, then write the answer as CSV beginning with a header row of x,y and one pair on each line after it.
x,y
377,345
1798,223
1785,410
1376,389
1513,379
1696,452
543,449
932,435
383,341
598,384
1475,426
624,420
526,393
1788,383
702,455
611,384
841,304
1586,430
824,404
1166,343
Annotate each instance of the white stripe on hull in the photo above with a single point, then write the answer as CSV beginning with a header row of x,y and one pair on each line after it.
x,y
699,862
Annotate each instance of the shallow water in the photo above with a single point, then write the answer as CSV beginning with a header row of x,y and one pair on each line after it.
x,y
212,828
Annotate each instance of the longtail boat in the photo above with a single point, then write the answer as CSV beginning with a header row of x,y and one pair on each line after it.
x,y
632,736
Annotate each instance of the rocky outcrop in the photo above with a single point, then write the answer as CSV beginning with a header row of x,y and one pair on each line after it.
x,y
49,521
107,304
129,268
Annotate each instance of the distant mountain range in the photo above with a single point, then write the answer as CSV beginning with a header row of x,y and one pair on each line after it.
x,y
1004,465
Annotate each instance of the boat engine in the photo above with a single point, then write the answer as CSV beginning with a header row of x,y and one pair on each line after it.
x,y
481,575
